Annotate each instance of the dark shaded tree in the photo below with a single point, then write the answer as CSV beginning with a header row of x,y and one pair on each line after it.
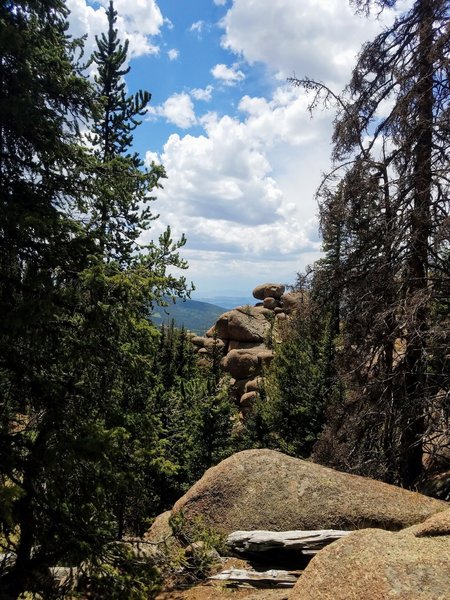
x,y
196,410
132,278
42,246
391,144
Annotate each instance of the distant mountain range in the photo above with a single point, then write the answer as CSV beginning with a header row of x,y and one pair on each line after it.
x,y
194,315
228,301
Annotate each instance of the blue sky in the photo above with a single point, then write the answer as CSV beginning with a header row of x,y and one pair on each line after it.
x,y
242,154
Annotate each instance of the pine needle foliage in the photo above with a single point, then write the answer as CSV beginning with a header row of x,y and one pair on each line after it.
x,y
81,450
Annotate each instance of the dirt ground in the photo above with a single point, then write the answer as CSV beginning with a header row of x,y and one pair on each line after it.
x,y
209,590
218,592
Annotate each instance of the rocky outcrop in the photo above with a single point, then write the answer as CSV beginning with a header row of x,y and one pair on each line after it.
x,y
413,564
291,301
208,343
244,335
245,364
159,539
264,489
436,525
268,290
242,324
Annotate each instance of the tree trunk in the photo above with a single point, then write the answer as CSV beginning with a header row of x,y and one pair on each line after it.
x,y
14,582
413,428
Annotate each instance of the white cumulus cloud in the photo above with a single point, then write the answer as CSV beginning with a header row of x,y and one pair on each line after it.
x,y
242,190
197,27
173,54
227,75
204,94
177,109
313,37
168,23
137,21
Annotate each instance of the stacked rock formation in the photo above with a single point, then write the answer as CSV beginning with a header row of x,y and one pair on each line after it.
x,y
245,337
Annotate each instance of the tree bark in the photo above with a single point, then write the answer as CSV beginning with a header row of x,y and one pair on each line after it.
x,y
413,428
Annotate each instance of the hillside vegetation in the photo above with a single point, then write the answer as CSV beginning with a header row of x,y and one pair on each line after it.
x,y
193,315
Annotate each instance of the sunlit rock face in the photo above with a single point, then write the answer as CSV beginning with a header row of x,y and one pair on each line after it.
x,y
265,489
413,564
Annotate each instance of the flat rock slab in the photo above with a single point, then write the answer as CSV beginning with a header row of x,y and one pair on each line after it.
x,y
306,542
218,591
270,578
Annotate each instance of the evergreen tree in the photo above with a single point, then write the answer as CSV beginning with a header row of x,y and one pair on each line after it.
x,y
196,412
121,185
210,417
298,385
41,249
394,202
125,281
80,441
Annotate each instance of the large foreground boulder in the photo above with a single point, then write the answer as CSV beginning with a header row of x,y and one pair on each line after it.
x,y
264,489
159,539
413,564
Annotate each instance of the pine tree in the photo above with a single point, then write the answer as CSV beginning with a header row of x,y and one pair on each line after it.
x,y
289,413
80,443
211,414
121,183
42,247
123,284
395,206
196,411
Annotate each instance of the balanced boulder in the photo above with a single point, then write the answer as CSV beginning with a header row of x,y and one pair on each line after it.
x,y
292,301
241,364
243,324
268,290
264,489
